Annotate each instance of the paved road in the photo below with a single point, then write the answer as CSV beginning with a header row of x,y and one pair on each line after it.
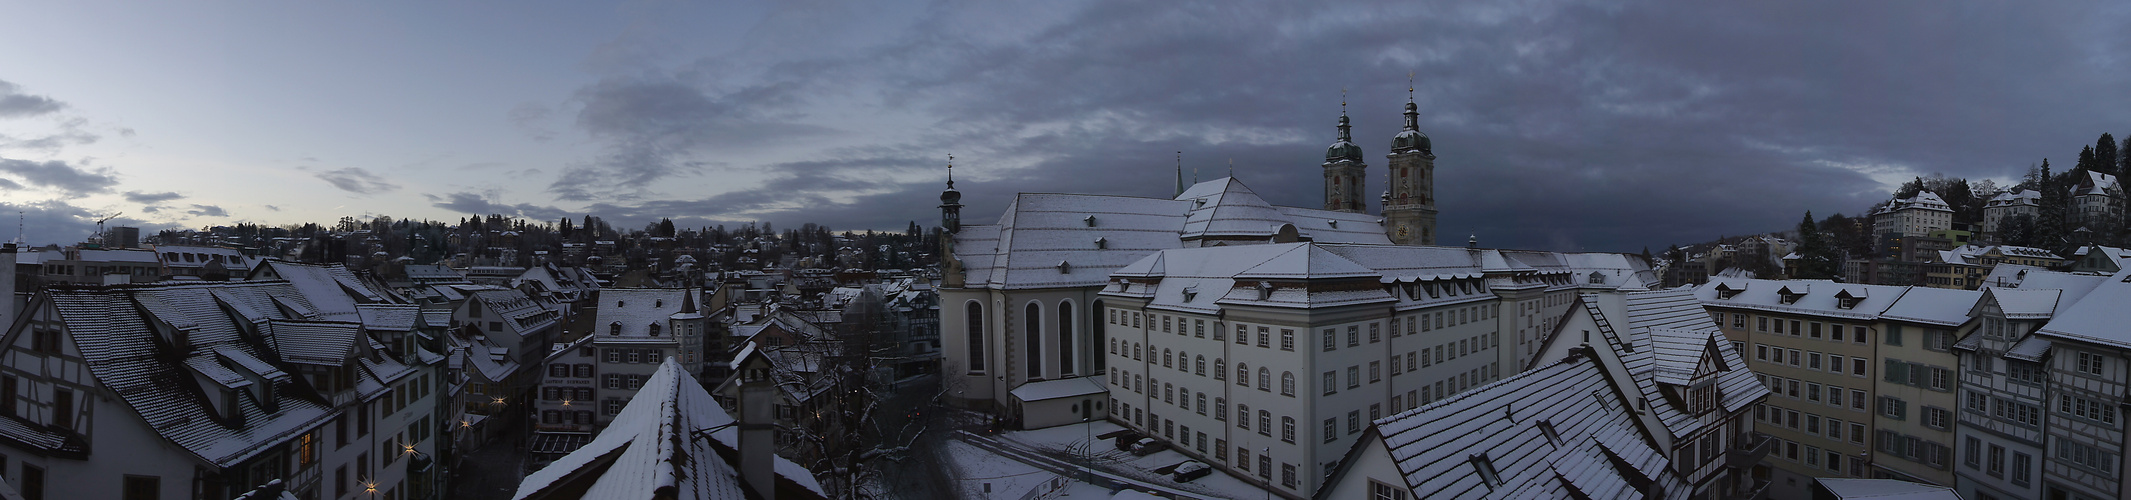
x,y
492,472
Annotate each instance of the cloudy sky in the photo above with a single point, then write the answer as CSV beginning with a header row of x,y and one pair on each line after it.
x,y
1558,125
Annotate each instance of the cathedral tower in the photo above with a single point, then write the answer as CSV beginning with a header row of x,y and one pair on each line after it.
x,y
1344,170
1409,211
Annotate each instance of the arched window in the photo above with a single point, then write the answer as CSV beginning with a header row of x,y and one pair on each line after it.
x,y
1220,369
1200,369
1243,374
1033,332
1165,358
1136,347
975,312
1265,379
1095,328
1202,403
1287,383
1243,416
1065,338
1220,408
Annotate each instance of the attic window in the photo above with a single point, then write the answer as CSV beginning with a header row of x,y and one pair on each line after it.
x,y
1191,293
1486,469
1064,268
1598,278
621,303
1847,302
1102,243
654,329
1090,220
1333,222
1552,436
658,303
1199,202
615,328
1789,298
1265,290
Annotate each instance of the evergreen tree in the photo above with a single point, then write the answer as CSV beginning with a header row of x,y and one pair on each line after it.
x,y
1816,258
666,228
2105,153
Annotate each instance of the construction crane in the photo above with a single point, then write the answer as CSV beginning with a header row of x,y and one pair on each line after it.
x,y
99,236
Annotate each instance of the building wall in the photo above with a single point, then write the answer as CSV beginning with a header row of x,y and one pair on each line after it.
x,y
1821,427
1006,339
2096,374
1987,432
1914,402
1454,349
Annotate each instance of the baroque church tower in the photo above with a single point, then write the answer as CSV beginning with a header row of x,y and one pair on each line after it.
x,y
1409,207
1344,171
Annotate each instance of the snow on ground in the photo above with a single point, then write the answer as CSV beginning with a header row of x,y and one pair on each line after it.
x,y
1070,441
981,474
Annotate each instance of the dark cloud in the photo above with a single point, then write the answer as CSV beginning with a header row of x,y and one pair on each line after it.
x,y
653,129
207,211
271,207
357,180
56,222
15,104
1558,124
60,176
144,197
9,185
477,204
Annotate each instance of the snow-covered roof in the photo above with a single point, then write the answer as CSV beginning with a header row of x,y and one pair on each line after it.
x,y
1061,388
1680,340
1970,254
636,309
1885,489
1924,200
2098,317
2022,303
658,447
1933,306
1204,279
116,332
1066,240
2024,197
1820,297
1558,431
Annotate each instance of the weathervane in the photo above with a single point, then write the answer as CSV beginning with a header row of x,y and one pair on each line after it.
x,y
950,170
1409,86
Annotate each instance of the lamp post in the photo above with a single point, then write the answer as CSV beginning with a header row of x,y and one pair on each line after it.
x,y
1087,452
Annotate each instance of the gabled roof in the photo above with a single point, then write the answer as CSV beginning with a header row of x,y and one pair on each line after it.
x,y
1440,448
115,335
315,342
1041,230
1933,306
2099,317
671,441
1763,295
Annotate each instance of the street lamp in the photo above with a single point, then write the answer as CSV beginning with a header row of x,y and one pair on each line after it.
x,y
1087,452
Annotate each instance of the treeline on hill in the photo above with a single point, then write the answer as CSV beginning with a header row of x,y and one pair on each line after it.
x,y
1825,242
428,241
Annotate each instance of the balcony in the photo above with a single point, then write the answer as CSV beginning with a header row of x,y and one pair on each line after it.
x,y
1748,452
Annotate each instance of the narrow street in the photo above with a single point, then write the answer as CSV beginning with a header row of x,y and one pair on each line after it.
x,y
492,472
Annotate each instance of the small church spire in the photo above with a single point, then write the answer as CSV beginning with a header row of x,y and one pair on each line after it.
x,y
1179,174
951,201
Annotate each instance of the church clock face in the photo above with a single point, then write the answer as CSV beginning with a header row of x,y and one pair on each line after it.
x,y
1404,231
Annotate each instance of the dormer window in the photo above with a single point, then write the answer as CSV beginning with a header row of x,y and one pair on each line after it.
x,y
620,304
1191,293
1090,220
1847,299
654,329
1102,243
614,328
1552,436
1598,278
1064,268
1486,469
1333,222
1725,291
658,303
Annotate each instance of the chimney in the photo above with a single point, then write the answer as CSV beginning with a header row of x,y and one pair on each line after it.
x,y
758,429
7,286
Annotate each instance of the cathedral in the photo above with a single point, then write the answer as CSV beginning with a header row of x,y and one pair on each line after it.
x,y
1177,317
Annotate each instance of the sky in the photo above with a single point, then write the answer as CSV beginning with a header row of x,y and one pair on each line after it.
x,y
1557,125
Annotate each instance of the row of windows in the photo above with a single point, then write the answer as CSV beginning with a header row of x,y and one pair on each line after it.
x,y
1812,392
1815,457
1810,423
1153,423
629,355
581,370
2025,414
1810,360
622,381
1919,375
1804,329
1974,457
1915,449
566,393
1354,422
580,417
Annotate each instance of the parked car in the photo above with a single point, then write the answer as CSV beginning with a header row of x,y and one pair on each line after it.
x,y
1125,441
1148,446
1192,470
